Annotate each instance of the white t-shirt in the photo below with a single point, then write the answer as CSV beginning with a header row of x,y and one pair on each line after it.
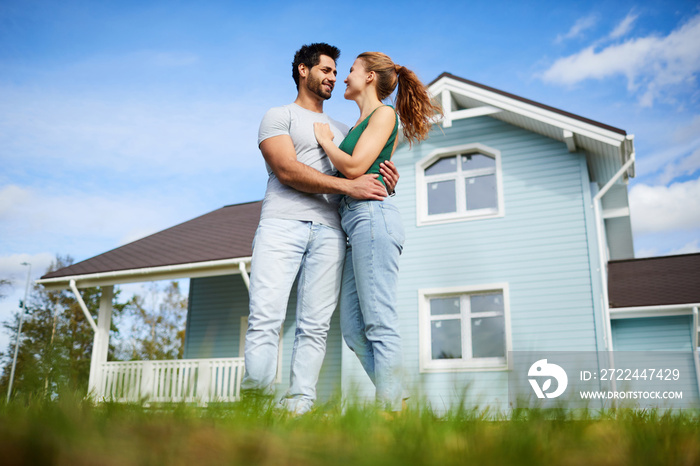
x,y
282,201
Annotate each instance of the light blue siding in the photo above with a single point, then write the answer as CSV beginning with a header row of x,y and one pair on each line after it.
x,y
671,340
653,334
214,312
540,248
216,305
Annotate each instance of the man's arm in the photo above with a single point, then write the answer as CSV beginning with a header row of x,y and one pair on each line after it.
x,y
281,156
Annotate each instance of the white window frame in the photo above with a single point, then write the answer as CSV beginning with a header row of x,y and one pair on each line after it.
x,y
422,217
466,363
241,347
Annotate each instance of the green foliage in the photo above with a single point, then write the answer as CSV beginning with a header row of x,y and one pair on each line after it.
x,y
158,323
56,341
255,432
4,284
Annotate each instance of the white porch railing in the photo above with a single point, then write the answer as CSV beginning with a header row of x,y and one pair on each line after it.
x,y
189,380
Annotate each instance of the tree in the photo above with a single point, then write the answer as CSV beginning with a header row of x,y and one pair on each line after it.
x,y
158,330
4,283
56,340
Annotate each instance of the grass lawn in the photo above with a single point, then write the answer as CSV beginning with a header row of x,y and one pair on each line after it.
x,y
76,432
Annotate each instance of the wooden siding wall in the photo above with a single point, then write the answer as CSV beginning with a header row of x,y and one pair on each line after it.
x,y
672,338
540,247
653,334
216,305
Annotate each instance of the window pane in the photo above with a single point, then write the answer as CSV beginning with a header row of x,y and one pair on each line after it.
x,y
442,306
488,337
486,302
442,197
481,192
443,165
446,338
474,161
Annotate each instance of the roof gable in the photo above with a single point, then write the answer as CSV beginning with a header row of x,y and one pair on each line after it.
x,y
607,148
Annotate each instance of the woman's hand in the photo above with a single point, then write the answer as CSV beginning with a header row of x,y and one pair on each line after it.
x,y
323,133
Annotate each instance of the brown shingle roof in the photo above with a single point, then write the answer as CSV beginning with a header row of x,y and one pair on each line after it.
x,y
654,281
225,233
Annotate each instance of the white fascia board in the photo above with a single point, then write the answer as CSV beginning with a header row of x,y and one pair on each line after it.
x,y
148,274
652,311
530,111
474,112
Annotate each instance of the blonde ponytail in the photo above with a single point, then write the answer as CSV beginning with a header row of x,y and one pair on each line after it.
x,y
413,102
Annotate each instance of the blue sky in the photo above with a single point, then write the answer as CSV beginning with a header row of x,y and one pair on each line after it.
x,y
122,118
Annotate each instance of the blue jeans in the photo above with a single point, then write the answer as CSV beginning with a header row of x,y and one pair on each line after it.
x,y
283,249
368,317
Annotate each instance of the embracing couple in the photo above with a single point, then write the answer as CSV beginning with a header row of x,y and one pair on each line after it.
x,y
327,219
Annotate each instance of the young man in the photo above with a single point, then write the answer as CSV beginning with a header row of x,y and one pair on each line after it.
x,y
299,232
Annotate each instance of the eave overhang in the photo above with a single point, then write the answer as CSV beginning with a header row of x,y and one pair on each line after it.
x,y
462,98
147,274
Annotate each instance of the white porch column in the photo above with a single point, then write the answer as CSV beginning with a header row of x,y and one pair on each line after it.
x,y
101,343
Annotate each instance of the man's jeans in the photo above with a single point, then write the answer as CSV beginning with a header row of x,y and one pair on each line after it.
x,y
368,316
283,249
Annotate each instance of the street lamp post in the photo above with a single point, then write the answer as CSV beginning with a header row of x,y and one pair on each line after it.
x,y
19,330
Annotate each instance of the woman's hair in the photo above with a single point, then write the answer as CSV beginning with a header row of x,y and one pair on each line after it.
x,y
413,103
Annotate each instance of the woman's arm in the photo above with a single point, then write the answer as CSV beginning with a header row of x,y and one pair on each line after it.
x,y
370,144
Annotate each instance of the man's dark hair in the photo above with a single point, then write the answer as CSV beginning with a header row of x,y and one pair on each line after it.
x,y
310,56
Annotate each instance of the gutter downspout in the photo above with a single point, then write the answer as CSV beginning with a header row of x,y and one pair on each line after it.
x,y
696,356
83,306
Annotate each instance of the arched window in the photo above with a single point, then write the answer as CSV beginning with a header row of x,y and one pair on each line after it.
x,y
459,183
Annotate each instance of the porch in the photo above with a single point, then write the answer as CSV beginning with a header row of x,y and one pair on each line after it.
x,y
200,381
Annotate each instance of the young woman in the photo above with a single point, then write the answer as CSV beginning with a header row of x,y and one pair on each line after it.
x,y
368,316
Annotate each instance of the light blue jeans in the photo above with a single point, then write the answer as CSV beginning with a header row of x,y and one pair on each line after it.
x,y
283,249
368,317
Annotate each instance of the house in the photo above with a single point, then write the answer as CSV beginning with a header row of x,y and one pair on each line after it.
x,y
517,235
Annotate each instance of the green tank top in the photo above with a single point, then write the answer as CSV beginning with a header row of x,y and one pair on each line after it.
x,y
350,141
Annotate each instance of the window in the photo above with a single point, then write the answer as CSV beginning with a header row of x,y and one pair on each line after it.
x,y
464,328
459,183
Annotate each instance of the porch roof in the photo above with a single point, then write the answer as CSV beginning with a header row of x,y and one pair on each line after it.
x,y
214,243
654,281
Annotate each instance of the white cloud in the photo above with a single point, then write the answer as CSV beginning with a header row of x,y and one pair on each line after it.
x,y
687,165
677,156
689,248
688,132
30,216
581,25
653,65
129,133
665,208
624,26
12,198
11,267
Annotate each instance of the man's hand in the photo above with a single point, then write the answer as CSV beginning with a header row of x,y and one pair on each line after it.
x,y
390,174
366,187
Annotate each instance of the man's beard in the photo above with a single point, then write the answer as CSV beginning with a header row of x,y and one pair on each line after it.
x,y
316,86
